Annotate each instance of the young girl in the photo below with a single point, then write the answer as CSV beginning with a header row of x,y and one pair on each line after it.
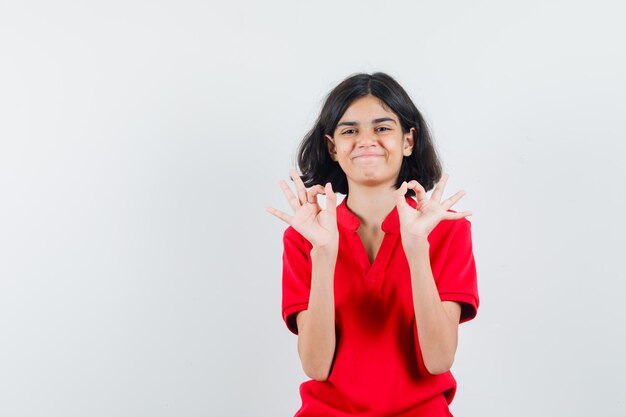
x,y
376,286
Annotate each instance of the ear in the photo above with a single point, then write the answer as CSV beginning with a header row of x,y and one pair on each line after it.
x,y
332,150
409,142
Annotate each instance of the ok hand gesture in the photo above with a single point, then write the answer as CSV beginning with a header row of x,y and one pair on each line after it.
x,y
317,225
417,223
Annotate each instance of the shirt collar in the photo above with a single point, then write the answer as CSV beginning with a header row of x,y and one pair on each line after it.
x,y
350,221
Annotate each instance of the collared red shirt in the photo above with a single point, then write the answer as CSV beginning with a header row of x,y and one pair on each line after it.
x,y
378,368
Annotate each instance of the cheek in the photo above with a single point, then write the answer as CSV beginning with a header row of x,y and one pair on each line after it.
x,y
343,150
394,146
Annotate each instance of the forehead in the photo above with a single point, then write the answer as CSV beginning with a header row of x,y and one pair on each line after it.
x,y
367,108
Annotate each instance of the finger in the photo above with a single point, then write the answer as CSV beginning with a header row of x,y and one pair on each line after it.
x,y
420,192
313,192
458,215
331,199
438,191
300,188
399,194
452,200
291,198
283,216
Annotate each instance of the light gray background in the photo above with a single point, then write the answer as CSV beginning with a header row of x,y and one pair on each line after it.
x,y
140,142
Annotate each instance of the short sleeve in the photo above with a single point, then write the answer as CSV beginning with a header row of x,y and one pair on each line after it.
x,y
296,276
457,280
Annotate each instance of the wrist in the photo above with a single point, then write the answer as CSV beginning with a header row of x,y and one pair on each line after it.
x,y
416,246
325,251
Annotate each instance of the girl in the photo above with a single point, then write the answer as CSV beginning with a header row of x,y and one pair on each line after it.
x,y
376,286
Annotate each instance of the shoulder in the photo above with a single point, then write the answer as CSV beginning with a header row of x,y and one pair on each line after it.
x,y
451,229
293,237
291,233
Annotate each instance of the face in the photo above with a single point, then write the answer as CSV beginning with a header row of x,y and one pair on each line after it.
x,y
368,143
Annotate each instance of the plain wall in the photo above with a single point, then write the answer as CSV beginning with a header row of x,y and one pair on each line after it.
x,y
140,143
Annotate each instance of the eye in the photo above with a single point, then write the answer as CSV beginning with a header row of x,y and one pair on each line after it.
x,y
382,127
348,132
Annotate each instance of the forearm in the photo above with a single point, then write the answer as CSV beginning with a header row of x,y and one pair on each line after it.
x,y
316,338
437,334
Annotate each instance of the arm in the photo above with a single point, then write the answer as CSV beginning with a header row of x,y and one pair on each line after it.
x,y
437,322
316,326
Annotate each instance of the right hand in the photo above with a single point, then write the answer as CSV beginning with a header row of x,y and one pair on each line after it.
x,y
317,225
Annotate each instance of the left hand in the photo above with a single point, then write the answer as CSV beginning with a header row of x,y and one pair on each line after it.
x,y
417,223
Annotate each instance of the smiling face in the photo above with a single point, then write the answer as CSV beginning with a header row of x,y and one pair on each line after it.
x,y
368,143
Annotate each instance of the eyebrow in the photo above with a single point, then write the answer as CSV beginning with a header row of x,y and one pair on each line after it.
x,y
379,120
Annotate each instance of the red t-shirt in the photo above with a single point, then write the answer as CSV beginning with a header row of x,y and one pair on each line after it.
x,y
378,368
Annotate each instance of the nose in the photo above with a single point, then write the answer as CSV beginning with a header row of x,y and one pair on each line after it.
x,y
366,139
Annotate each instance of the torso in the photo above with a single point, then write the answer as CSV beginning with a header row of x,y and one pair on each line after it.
x,y
375,319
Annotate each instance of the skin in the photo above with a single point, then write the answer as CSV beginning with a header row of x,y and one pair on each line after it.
x,y
369,127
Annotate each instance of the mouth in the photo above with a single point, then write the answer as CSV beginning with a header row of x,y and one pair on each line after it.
x,y
368,156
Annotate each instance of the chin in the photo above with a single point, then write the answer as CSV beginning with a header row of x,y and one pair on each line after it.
x,y
374,180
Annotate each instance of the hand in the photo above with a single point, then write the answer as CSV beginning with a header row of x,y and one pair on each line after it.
x,y
317,225
418,222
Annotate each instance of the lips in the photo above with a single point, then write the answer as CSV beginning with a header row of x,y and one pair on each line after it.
x,y
367,155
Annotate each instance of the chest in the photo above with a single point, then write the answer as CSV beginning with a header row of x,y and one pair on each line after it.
x,y
372,284
378,261
371,242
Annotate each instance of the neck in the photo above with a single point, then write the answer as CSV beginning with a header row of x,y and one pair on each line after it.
x,y
371,205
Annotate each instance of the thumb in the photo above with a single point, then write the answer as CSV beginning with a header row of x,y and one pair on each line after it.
x,y
331,199
400,193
